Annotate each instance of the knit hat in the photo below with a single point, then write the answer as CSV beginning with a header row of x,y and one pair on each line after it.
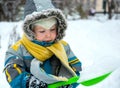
x,y
46,23
36,10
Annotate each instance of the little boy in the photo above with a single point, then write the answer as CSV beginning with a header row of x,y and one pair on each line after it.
x,y
41,57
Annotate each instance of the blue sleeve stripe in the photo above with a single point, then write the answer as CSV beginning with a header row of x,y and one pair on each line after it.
x,y
74,61
72,58
19,81
14,57
28,57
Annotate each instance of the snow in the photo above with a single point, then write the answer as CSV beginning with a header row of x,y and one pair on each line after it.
x,y
95,42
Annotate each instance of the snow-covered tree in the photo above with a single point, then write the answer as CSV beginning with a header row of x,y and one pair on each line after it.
x,y
14,36
10,9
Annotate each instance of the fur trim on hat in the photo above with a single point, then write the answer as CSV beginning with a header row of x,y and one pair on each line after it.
x,y
61,26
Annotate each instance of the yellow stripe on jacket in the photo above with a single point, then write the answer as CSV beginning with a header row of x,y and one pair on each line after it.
x,y
18,69
8,76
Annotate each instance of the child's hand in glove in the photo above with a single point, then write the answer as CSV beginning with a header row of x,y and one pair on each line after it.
x,y
33,82
60,78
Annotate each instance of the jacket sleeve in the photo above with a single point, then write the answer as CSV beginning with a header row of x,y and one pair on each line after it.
x,y
15,72
74,62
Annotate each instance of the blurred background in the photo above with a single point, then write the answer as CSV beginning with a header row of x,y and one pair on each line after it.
x,y
12,10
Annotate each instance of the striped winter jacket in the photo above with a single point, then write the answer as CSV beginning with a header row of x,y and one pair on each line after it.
x,y
17,65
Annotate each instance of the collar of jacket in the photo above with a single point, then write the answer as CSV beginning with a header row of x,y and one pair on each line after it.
x,y
43,43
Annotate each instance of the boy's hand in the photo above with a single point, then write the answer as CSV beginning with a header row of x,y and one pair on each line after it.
x,y
60,78
33,82
63,78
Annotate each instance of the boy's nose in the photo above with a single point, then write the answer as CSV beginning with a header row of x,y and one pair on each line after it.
x,y
48,34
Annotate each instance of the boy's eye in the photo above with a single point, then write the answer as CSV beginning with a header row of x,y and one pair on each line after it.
x,y
52,29
41,31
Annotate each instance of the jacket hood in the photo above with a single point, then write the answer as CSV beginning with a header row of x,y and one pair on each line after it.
x,y
40,9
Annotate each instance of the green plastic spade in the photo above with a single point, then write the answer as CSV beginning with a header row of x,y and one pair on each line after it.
x,y
58,84
72,80
95,80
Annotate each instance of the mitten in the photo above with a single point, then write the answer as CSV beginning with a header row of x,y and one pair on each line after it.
x,y
60,78
33,82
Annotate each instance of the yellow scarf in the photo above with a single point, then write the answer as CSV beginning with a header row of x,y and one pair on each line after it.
x,y
43,53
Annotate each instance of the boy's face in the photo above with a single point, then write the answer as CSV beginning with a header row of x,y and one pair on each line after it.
x,y
43,34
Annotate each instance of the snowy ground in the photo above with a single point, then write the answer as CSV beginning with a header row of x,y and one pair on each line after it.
x,y
95,42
